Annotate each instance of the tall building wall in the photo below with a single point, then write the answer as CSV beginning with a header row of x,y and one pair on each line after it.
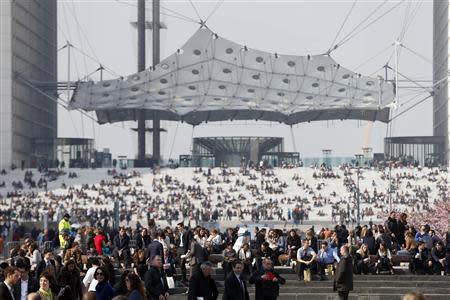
x,y
27,50
440,73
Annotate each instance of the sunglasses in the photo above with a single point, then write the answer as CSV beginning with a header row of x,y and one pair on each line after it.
x,y
96,274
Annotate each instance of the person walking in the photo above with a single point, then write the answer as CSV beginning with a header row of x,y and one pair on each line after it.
x,y
12,276
343,281
202,285
183,244
267,281
156,281
235,286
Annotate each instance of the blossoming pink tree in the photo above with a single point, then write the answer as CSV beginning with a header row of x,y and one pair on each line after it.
x,y
437,218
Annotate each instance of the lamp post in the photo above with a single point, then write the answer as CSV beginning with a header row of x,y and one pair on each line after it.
x,y
390,186
358,215
357,194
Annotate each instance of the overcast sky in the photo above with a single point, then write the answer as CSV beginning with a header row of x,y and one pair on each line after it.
x,y
102,30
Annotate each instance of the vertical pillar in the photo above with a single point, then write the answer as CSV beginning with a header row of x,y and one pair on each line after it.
x,y
141,67
156,57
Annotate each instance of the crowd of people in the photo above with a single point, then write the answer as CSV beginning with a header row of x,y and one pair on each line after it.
x,y
147,262
85,256
203,195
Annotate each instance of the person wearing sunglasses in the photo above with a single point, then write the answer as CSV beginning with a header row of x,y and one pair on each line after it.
x,y
103,290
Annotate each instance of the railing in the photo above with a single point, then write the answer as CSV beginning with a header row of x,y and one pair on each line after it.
x,y
10,246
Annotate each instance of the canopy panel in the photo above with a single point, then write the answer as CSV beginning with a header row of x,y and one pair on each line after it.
x,y
214,79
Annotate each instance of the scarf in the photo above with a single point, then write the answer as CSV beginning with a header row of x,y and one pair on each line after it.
x,y
47,295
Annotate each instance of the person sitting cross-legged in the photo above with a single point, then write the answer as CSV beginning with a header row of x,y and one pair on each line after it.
x,y
305,258
326,257
121,248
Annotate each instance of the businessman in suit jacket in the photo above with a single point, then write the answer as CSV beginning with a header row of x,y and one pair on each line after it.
x,y
202,285
235,285
155,247
197,256
47,263
26,284
155,280
183,245
12,276
343,280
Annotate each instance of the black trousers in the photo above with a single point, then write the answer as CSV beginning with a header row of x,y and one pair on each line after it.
x,y
343,295
126,255
321,268
182,262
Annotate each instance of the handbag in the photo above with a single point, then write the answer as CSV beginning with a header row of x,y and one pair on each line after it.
x,y
307,275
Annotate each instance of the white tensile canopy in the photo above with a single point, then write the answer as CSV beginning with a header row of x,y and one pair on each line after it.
x,y
213,79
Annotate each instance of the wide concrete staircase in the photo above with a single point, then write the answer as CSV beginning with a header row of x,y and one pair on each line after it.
x,y
366,287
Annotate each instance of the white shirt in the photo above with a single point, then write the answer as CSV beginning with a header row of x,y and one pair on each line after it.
x,y
181,240
93,285
217,240
23,289
89,276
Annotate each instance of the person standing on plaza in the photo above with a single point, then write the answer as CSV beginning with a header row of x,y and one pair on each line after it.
x,y
63,227
343,281
267,281
235,286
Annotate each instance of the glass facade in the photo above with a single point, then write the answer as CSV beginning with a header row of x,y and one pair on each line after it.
x,y
27,53
426,150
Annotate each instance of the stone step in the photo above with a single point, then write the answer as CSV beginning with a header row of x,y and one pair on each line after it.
x,y
358,290
333,296
290,270
395,277
364,283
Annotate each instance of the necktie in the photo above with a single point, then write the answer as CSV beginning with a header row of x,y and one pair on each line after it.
x,y
242,287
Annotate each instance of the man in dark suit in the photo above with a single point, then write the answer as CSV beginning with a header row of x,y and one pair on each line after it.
x,y
183,245
263,252
202,285
47,263
343,280
267,281
12,276
155,247
155,280
122,248
197,256
235,286
26,284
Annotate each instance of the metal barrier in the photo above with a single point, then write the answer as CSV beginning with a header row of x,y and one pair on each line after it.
x,y
47,245
9,247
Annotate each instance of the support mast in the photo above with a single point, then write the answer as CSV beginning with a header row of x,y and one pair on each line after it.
x,y
156,58
141,67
